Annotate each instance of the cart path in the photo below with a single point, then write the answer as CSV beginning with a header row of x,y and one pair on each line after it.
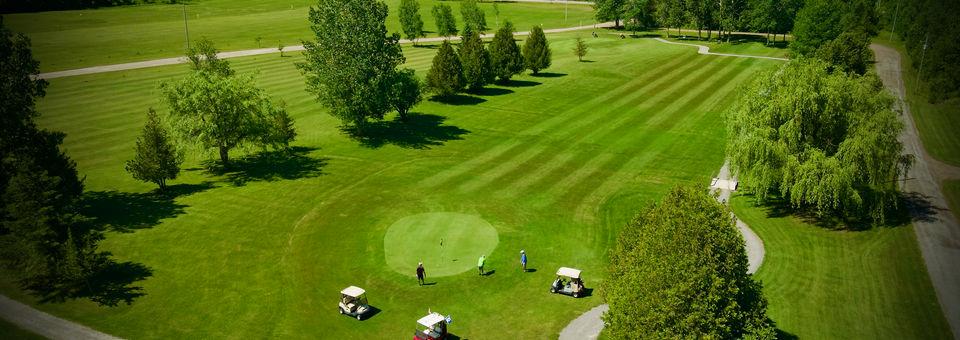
x,y
938,232
589,325
261,51
44,324
702,49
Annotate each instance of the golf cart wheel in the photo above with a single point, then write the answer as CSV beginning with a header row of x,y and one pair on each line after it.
x,y
553,290
576,295
340,310
359,316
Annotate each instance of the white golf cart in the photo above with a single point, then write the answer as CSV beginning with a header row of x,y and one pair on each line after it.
x,y
431,327
568,282
353,302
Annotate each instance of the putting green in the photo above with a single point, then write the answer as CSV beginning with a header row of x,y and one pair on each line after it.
x,y
418,238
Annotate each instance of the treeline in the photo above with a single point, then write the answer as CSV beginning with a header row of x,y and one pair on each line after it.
x,y
930,24
20,6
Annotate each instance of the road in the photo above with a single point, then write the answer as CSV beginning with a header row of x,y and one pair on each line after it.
x,y
45,324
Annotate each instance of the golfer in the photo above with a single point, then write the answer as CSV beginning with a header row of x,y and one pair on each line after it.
x,y
523,260
480,263
420,273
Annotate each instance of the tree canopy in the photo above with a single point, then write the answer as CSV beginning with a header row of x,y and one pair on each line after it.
x,y
536,51
473,17
350,65
203,58
410,20
679,271
156,159
445,77
580,49
506,59
443,17
475,60
822,140
405,92
922,26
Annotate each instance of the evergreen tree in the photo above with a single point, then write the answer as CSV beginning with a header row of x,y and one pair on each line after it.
x,y
405,92
473,17
157,159
475,60
445,77
536,51
446,23
505,57
410,19
580,49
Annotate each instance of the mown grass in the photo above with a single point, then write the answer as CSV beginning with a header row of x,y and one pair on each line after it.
x,y
11,331
73,39
829,284
937,123
556,163
951,190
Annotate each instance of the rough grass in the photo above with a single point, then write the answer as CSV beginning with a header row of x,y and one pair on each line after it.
x,y
951,190
827,284
73,39
11,331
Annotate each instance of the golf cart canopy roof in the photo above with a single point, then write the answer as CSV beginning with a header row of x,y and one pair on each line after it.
x,y
430,320
569,272
352,291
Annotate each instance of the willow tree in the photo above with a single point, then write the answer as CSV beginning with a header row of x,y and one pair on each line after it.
x,y
826,141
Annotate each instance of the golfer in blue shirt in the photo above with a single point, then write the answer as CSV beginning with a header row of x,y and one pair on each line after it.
x,y
523,260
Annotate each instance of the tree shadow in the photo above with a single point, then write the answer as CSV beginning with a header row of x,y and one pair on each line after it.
x,y
126,212
458,99
294,163
519,83
587,61
910,207
784,335
108,285
548,75
491,91
419,131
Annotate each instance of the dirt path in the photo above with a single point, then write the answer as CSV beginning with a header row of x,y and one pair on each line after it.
x,y
701,49
45,324
261,51
938,234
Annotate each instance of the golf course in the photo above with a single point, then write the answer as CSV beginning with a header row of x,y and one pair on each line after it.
x,y
554,163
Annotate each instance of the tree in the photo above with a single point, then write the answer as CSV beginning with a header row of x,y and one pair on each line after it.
x,y
280,47
821,140
350,65
639,15
849,52
475,60
203,58
445,77
505,57
679,271
406,92
606,10
536,51
580,49
156,159
730,15
473,17
221,112
820,21
700,13
410,20
446,23
671,13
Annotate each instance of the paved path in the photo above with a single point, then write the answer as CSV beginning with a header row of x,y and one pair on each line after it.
x,y
587,326
938,234
45,324
706,50
260,51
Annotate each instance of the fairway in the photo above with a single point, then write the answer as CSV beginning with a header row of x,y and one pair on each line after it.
x,y
447,243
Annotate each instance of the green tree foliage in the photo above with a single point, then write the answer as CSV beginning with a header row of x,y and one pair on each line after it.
x,y
222,112
679,271
156,159
731,15
639,15
820,21
351,63
446,22
580,49
473,17
410,20
772,16
609,10
406,92
701,15
822,140
475,60
849,52
203,58
670,13
536,51
445,77
506,59
929,31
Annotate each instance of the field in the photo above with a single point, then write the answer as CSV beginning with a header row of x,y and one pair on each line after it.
x,y
827,284
951,191
554,163
74,39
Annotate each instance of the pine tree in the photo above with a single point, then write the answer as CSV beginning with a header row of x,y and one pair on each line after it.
x,y
505,57
445,77
475,60
156,159
580,49
536,51
410,19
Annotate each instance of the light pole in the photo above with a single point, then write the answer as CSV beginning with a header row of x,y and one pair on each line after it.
x,y
186,32
895,15
922,57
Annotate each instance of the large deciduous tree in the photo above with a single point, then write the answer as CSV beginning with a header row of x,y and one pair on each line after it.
x,y
350,65
849,52
405,92
475,60
410,20
609,10
536,51
156,159
445,77
443,17
822,140
203,58
679,271
506,59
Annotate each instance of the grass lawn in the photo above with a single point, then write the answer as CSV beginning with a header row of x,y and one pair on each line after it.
x,y
951,190
11,331
554,163
826,284
938,123
74,39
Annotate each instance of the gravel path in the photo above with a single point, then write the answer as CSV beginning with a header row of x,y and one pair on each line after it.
x,y
938,232
45,324
260,51
706,50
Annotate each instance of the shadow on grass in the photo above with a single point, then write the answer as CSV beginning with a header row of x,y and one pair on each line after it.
x,y
489,272
491,91
548,75
109,285
294,163
126,212
910,207
458,99
519,83
371,313
419,131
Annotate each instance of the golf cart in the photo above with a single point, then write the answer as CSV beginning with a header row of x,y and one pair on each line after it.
x,y
431,327
568,282
353,302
